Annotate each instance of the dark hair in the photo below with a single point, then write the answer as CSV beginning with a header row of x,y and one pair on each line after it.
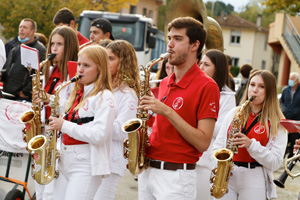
x,y
229,60
163,72
194,30
245,70
221,69
33,23
42,38
64,15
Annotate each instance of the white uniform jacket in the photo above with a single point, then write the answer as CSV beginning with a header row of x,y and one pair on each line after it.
x,y
227,102
127,102
269,156
97,133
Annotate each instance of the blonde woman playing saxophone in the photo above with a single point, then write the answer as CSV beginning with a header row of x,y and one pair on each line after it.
x,y
86,128
261,142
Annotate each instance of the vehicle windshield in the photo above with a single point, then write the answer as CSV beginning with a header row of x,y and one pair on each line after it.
x,y
133,32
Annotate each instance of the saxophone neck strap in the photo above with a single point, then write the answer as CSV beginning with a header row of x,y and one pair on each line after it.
x,y
246,131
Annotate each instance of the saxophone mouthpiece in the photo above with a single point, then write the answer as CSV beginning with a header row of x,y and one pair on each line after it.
x,y
76,78
51,56
165,55
252,98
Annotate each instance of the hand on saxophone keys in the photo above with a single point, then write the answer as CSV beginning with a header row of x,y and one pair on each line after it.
x,y
241,140
153,104
55,123
40,96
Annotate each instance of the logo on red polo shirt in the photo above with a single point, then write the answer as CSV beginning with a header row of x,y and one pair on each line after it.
x,y
259,129
213,106
177,103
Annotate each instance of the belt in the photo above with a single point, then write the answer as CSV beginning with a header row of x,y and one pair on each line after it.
x,y
170,166
248,165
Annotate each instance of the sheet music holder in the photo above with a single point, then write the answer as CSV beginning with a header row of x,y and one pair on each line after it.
x,y
292,126
29,57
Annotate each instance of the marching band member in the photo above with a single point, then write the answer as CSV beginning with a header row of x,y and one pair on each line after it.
x,y
86,128
214,64
261,142
126,85
62,42
186,110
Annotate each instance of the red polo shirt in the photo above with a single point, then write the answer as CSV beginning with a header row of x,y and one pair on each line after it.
x,y
81,39
259,133
195,97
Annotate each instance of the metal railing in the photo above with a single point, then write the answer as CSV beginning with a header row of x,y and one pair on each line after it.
x,y
292,38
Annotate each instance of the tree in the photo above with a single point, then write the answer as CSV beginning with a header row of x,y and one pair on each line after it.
x,y
253,9
43,11
218,8
290,7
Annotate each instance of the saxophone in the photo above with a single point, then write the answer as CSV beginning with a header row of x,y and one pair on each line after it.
x,y
134,146
32,118
224,156
43,147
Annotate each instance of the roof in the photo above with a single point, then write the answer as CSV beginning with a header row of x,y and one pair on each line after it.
x,y
234,21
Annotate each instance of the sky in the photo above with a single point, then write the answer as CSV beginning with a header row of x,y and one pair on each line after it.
x,y
237,4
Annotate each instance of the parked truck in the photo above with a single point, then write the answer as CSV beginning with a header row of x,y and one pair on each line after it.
x,y
135,28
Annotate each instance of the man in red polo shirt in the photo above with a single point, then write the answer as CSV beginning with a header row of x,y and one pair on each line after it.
x,y
66,17
187,108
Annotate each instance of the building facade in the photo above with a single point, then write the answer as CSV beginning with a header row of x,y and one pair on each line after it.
x,y
246,42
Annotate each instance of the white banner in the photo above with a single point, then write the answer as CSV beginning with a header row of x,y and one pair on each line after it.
x,y
11,135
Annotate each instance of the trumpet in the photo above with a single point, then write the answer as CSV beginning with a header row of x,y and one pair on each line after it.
x,y
288,166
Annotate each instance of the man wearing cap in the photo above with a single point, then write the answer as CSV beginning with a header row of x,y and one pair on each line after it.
x,y
101,29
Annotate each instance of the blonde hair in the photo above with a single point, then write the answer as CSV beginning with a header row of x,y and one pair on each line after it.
x,y
270,109
128,70
97,55
71,49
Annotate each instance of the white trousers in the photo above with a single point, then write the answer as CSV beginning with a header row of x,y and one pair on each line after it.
x,y
44,192
246,184
167,184
75,179
203,183
108,187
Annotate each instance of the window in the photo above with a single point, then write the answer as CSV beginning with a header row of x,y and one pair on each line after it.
x,y
234,61
263,64
235,37
150,15
132,9
145,11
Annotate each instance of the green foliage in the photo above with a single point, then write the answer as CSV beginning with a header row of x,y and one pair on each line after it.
x,y
43,11
291,7
235,71
218,8
252,10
